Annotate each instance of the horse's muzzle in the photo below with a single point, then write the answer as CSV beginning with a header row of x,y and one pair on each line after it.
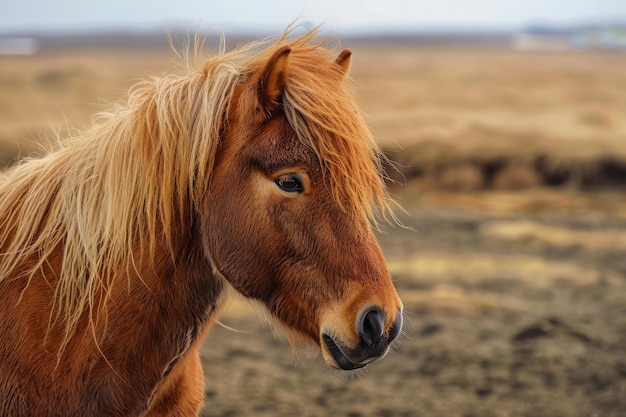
x,y
373,344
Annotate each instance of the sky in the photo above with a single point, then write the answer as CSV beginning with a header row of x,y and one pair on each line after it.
x,y
335,15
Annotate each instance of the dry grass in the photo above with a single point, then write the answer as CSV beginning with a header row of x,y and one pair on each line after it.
x,y
467,268
52,93
473,97
562,237
552,113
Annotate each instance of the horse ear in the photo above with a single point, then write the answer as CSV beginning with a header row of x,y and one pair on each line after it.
x,y
343,60
273,79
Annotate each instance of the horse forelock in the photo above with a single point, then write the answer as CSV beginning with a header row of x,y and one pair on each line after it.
x,y
319,105
326,119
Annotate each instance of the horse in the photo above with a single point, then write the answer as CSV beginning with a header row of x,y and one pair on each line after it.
x,y
252,171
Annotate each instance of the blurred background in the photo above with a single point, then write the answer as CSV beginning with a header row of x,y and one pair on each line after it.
x,y
505,122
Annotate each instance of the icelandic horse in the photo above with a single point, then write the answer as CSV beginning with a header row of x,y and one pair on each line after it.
x,y
252,170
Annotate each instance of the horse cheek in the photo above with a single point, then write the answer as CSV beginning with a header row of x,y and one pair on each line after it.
x,y
236,242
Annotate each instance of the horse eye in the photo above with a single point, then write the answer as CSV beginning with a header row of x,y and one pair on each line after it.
x,y
290,183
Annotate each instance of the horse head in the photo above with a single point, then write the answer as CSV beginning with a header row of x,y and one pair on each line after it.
x,y
287,218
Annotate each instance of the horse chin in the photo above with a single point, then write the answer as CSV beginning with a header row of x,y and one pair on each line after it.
x,y
339,356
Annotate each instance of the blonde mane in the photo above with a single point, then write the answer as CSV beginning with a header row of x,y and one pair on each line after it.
x,y
132,180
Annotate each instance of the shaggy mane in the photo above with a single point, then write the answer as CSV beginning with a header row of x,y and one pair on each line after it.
x,y
131,181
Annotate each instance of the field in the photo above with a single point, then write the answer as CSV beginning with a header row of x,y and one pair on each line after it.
x,y
512,170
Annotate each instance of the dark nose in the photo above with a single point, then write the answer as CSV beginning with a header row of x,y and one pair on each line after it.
x,y
371,325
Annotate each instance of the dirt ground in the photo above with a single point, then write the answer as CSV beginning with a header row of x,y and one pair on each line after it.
x,y
514,286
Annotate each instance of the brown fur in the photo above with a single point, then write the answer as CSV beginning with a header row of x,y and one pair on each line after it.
x,y
117,248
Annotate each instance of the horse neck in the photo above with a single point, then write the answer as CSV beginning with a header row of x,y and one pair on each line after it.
x,y
154,314
174,284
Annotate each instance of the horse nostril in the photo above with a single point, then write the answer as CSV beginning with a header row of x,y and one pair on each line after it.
x,y
372,325
394,331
